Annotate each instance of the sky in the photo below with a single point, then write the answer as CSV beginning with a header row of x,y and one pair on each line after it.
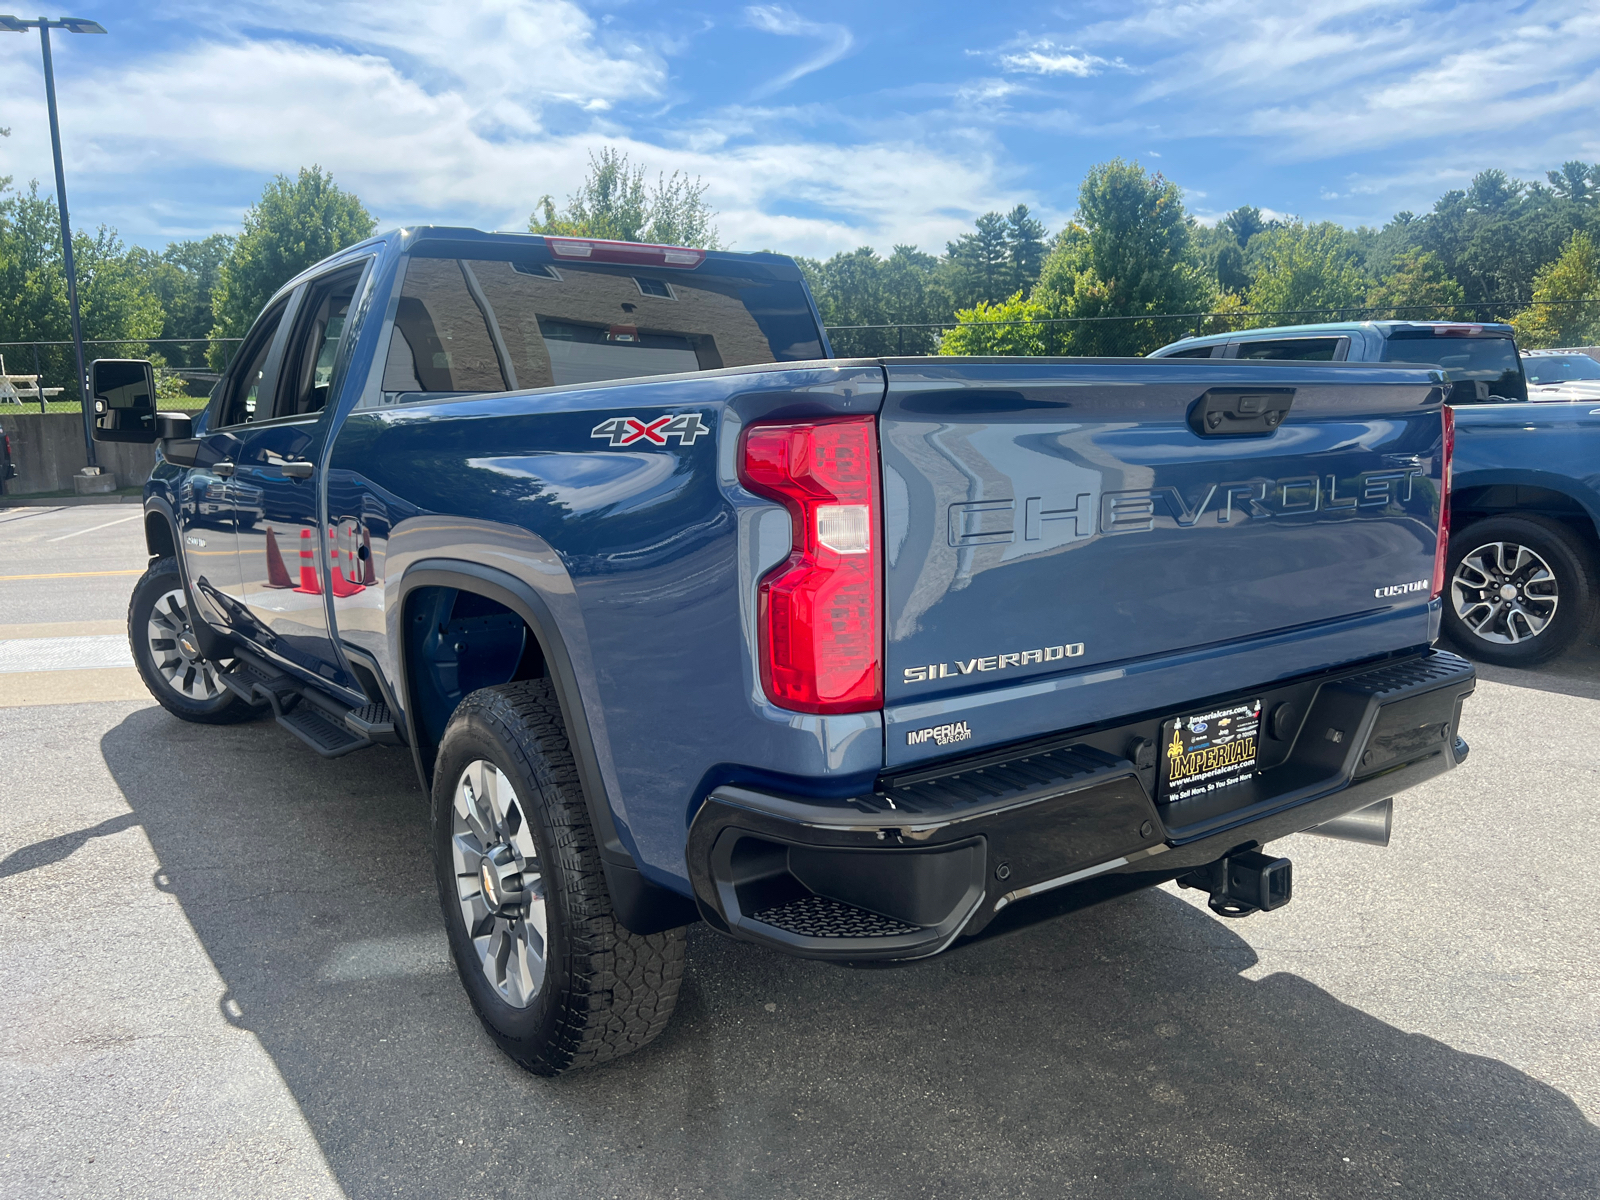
x,y
817,126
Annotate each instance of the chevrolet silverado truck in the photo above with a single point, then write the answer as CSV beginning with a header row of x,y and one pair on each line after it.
x,y
681,618
1525,502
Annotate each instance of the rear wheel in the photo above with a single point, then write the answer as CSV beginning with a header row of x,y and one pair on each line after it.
x,y
1519,589
557,981
167,652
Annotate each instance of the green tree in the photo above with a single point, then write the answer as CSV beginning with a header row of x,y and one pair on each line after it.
x,y
860,288
297,222
1011,327
1418,281
1576,182
1128,253
980,267
1566,299
183,277
614,202
115,301
1301,269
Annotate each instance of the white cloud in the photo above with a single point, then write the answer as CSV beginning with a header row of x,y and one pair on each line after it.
x,y
237,111
836,40
1049,58
1350,75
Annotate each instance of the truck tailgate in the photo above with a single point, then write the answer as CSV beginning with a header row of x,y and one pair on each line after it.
x,y
1070,541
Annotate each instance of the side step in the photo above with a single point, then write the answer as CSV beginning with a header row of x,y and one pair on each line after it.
x,y
330,728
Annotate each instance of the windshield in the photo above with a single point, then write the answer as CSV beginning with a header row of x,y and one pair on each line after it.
x,y
1560,368
465,325
1482,366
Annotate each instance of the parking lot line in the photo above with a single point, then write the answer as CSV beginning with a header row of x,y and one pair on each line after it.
x,y
93,528
28,689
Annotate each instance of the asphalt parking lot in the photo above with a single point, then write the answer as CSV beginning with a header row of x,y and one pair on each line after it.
x,y
222,971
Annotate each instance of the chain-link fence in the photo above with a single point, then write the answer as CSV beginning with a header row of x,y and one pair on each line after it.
x,y
1139,335
35,369
185,376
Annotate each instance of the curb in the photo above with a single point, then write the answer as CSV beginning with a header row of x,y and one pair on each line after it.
x,y
65,501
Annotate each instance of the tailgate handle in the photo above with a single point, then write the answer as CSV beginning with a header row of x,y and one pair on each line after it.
x,y
1240,412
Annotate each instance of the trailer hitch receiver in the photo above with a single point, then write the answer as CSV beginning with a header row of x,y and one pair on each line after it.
x,y
1244,883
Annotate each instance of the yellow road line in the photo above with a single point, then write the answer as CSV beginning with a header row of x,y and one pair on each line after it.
x,y
70,575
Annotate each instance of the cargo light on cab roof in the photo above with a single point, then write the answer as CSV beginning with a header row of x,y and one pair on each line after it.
x,y
630,254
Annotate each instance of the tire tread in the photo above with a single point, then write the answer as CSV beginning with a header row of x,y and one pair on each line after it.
x,y
622,986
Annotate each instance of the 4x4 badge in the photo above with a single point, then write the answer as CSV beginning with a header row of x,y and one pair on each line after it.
x,y
628,431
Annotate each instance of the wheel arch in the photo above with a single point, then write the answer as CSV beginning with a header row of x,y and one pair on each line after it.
x,y
1482,494
641,906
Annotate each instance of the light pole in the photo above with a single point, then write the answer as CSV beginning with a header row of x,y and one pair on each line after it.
x,y
72,25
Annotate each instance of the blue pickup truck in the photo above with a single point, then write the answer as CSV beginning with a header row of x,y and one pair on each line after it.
x,y
1525,498
681,618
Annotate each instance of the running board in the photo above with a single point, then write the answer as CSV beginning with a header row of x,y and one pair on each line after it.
x,y
330,728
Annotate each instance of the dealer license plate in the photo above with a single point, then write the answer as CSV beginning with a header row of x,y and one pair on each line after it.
x,y
1209,752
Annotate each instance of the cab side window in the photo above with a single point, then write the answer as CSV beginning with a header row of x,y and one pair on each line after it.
x,y
312,350
243,397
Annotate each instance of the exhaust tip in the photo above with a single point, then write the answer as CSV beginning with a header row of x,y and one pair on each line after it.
x,y
1370,826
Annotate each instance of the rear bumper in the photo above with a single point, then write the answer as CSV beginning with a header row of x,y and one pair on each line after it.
x,y
931,857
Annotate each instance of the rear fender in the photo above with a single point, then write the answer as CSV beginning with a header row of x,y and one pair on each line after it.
x,y
640,906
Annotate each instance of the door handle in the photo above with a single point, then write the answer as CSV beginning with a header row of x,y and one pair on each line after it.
x,y
298,470
223,468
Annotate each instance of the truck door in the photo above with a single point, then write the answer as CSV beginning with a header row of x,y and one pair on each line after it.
x,y
288,560
208,513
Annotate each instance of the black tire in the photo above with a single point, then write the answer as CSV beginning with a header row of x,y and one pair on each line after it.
x,y
604,991
1551,572
183,681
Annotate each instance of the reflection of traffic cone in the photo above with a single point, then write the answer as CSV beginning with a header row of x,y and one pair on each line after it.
x,y
368,576
277,573
337,583
308,568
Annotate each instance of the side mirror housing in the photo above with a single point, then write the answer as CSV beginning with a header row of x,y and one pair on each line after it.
x,y
175,431
123,392
174,425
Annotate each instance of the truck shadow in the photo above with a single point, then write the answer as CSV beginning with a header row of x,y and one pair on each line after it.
x,y
1118,1051
1573,672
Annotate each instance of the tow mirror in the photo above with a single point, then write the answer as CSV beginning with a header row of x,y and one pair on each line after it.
x,y
123,391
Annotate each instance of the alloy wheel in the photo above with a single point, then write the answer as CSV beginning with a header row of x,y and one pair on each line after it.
x,y
499,882
176,651
1504,593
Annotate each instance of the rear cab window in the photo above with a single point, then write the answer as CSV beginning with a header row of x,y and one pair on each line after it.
x,y
1317,349
494,322
1482,365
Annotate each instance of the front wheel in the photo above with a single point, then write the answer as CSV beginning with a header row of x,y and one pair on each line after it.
x,y
165,649
1519,589
557,981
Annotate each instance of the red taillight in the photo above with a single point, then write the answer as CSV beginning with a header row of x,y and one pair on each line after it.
x,y
821,618
1442,550
632,254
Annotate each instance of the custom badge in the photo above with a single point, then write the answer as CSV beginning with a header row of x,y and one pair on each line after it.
x,y
652,431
